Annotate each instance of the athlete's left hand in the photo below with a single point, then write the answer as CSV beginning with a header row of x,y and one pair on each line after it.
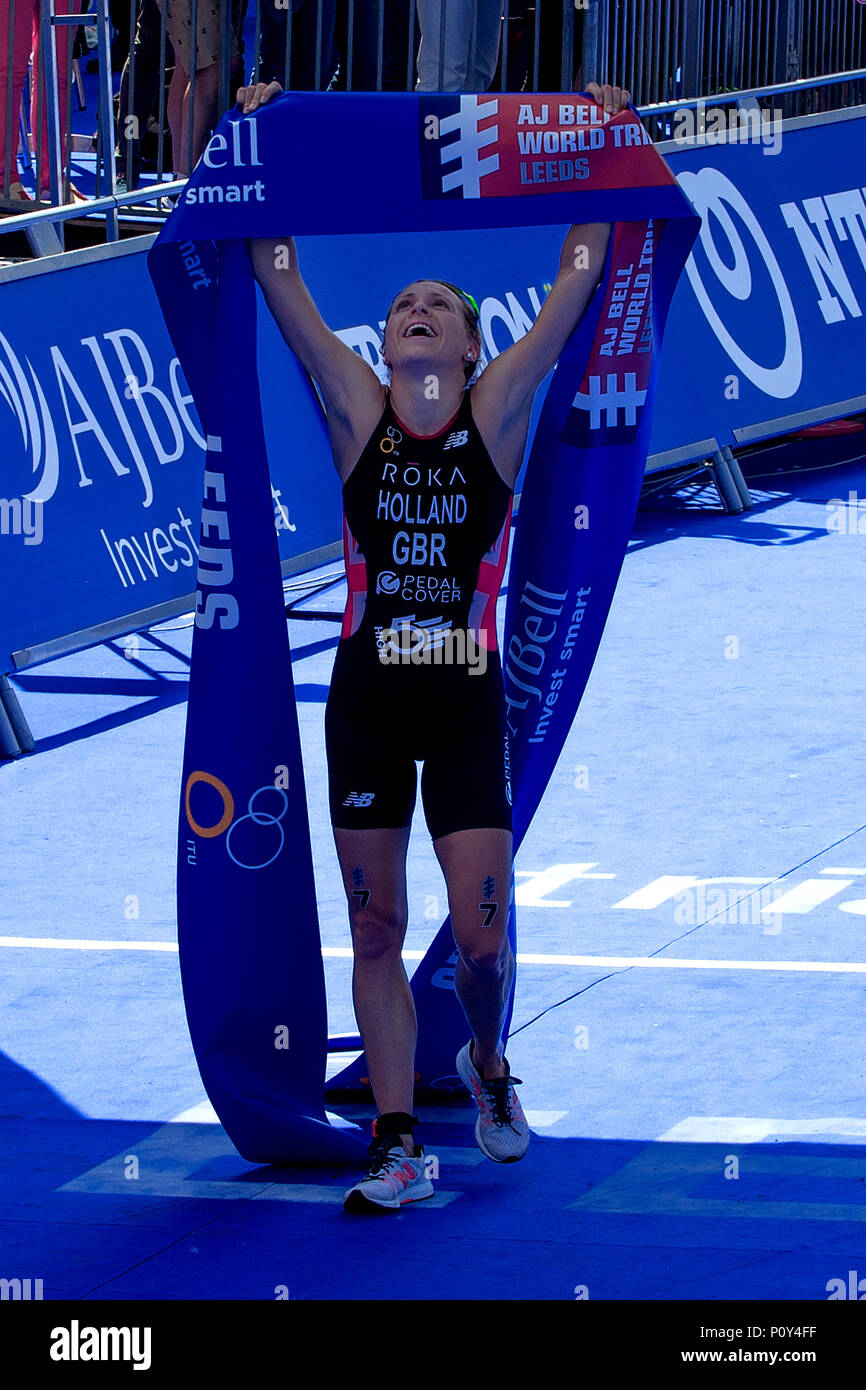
x,y
613,99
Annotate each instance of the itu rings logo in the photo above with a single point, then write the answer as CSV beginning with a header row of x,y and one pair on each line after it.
x,y
253,840
390,440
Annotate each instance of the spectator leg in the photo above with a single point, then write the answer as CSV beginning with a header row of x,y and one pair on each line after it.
x,y
40,137
395,52
145,89
304,24
178,86
206,98
272,61
118,13
487,39
272,43
458,21
14,57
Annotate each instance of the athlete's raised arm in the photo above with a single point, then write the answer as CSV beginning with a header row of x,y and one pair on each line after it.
x,y
510,381
344,377
341,374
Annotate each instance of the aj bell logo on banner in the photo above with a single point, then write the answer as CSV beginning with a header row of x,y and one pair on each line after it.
x,y
460,118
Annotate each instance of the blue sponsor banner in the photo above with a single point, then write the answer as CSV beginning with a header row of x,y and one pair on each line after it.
x,y
770,312
248,938
103,453
98,419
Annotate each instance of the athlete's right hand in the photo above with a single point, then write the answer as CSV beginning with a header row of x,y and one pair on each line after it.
x,y
252,97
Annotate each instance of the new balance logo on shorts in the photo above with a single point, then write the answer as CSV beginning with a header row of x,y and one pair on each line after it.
x,y
359,798
455,439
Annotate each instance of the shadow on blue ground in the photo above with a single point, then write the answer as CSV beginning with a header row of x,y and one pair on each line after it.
x,y
578,1218
817,471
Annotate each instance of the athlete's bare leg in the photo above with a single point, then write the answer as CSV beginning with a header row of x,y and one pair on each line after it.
x,y
477,869
373,865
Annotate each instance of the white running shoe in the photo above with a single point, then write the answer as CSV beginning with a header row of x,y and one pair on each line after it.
x,y
392,1178
501,1131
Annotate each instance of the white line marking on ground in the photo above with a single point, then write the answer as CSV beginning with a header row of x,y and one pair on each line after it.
x,y
201,1114
204,1113
661,1180
60,943
523,958
453,1115
168,1158
678,963
739,1129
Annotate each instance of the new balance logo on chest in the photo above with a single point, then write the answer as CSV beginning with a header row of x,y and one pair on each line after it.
x,y
455,439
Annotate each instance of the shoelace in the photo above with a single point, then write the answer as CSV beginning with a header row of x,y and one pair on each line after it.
x,y
381,1157
497,1088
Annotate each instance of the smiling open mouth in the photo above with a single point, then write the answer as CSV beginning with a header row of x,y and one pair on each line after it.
x,y
419,330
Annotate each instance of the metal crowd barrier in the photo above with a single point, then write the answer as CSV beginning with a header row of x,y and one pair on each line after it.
x,y
670,54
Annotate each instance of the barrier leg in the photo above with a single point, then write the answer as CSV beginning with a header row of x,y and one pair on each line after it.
x,y
725,486
9,745
737,475
15,735
15,715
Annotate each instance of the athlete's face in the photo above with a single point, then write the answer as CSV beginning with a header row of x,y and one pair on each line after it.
x,y
427,323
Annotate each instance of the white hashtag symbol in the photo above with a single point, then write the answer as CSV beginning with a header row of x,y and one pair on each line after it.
x,y
467,176
610,401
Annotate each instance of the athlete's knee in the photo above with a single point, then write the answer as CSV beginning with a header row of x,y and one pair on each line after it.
x,y
486,957
376,932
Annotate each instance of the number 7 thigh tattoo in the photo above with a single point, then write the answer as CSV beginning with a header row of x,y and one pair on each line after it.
x,y
488,907
359,892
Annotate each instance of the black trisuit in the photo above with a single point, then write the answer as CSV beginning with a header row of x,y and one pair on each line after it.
x,y
425,539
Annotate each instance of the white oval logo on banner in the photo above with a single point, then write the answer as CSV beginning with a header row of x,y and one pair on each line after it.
x,y
30,408
714,196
